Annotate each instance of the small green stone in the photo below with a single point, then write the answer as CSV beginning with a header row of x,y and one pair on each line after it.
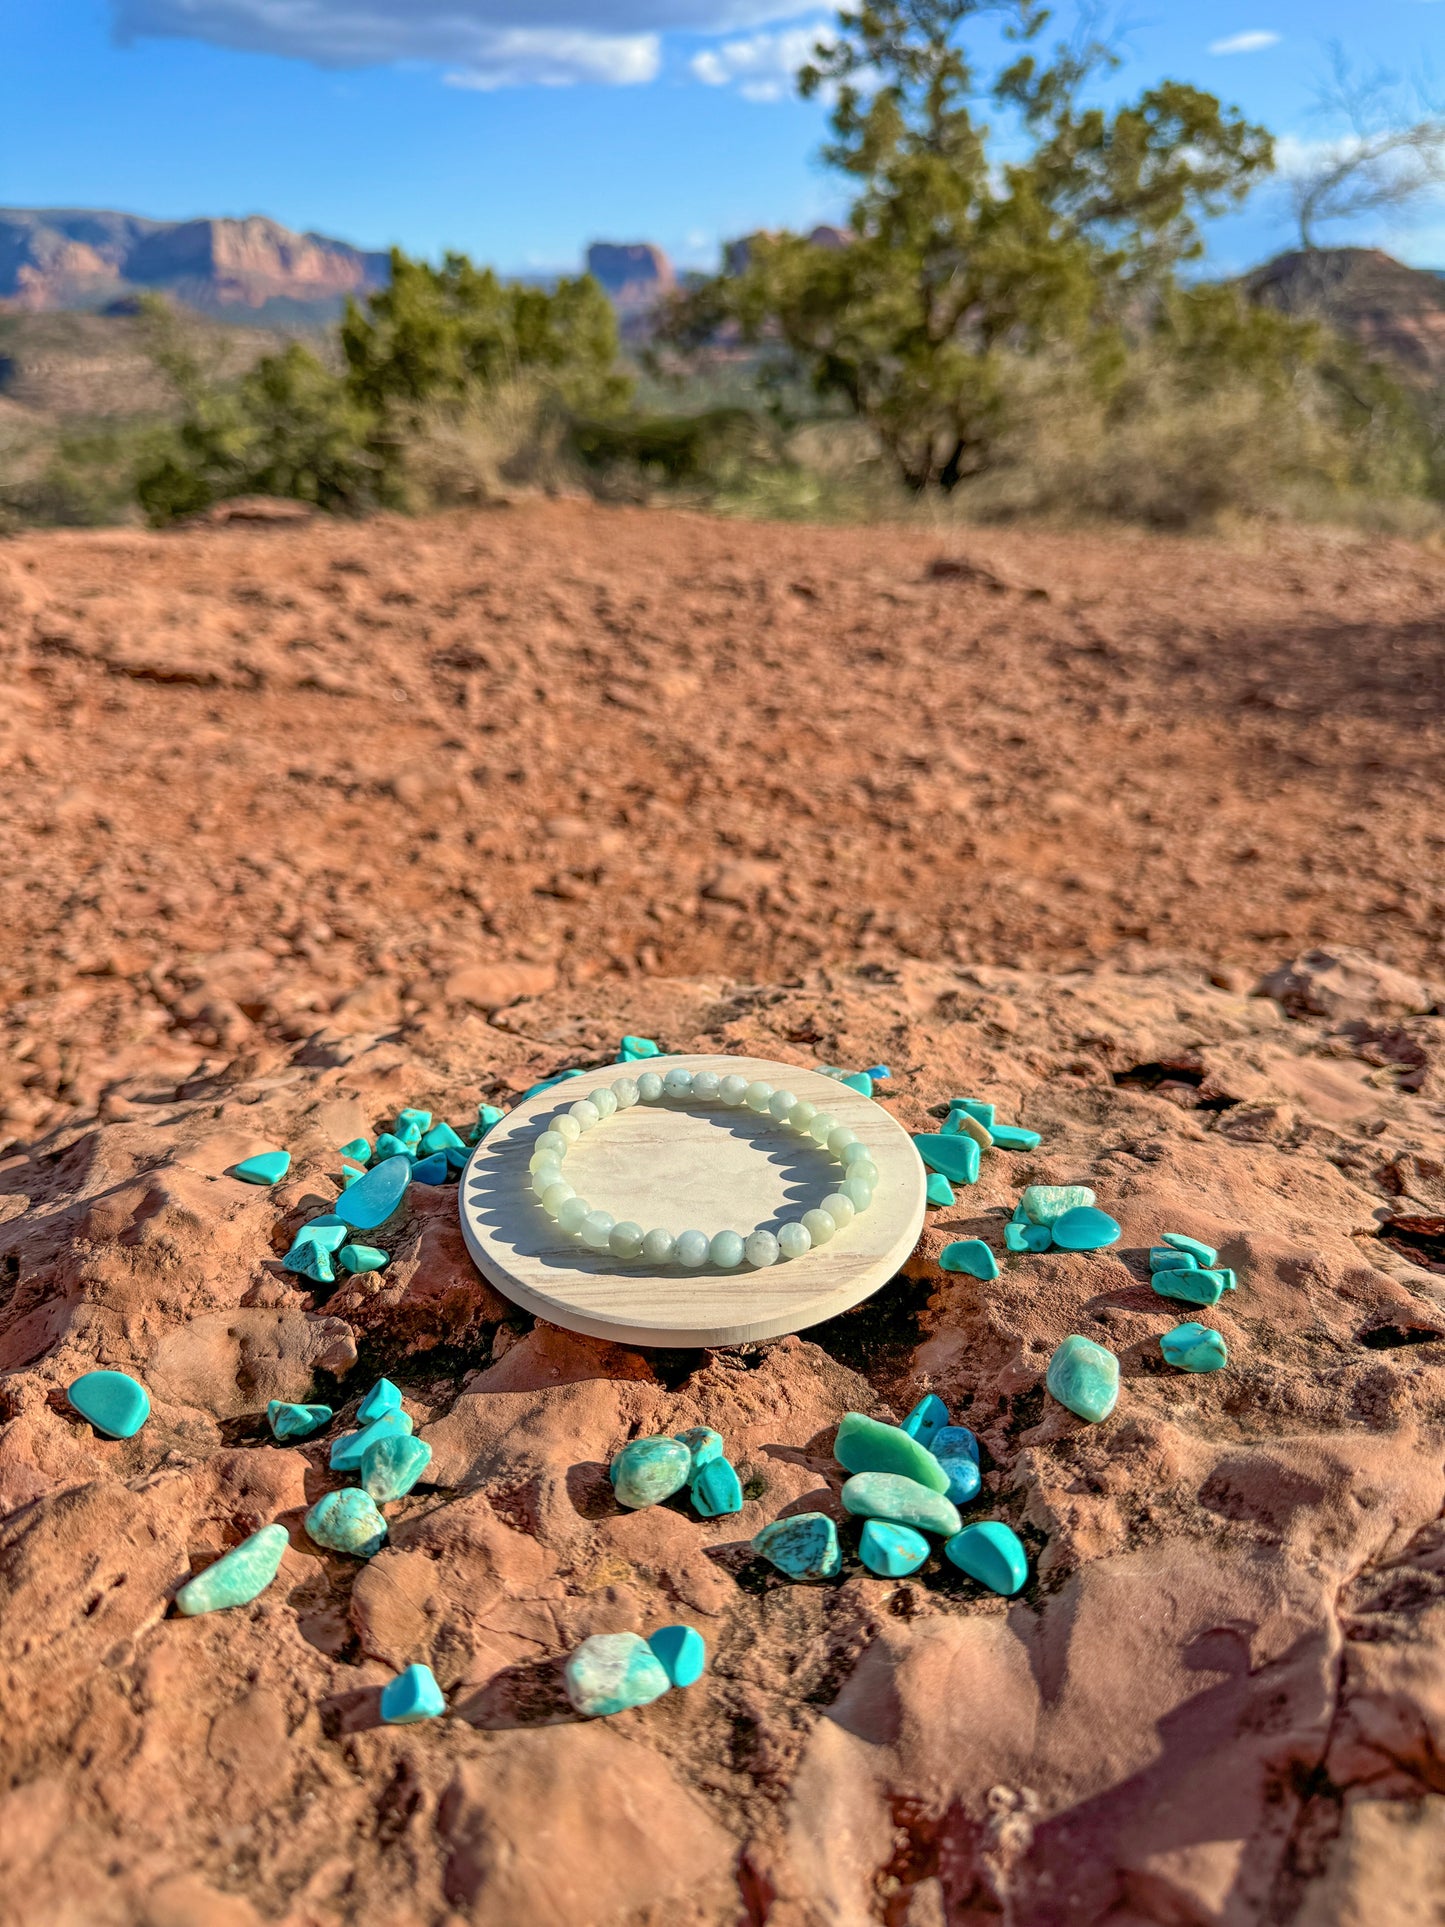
x,y
1193,1287
682,1653
891,1551
804,1547
634,1048
1084,1229
382,1398
1195,1348
391,1466
488,1117
362,1258
867,1445
992,1553
411,1123
1044,1203
457,1159
114,1402
347,1522
1162,1258
1206,1254
296,1421
928,1417
971,1255
350,1449
611,1672
903,1502
716,1490
311,1249
433,1169
981,1113
647,1471
1013,1137
703,1443
1084,1377
858,1081
268,1167
441,1137
389,1145
1013,1237
958,1158
940,1191
359,1151
413,1695
372,1199
238,1576
956,1450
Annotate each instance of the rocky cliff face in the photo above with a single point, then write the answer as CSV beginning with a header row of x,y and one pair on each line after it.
x,y
1394,312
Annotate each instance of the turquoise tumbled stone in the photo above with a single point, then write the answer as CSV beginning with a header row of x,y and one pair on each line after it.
x,y
636,1047
1193,1286
114,1402
904,1502
267,1167
958,1158
716,1490
867,1445
939,1190
927,1418
647,1471
1013,1236
432,1170
456,1159
681,1651
296,1421
858,1081
1206,1254
880,1073
238,1576
359,1259
1164,1258
350,1449
391,1466
359,1151
372,1199
956,1450
389,1145
804,1547
703,1444
1084,1229
1084,1377
412,1121
347,1522
611,1672
1195,1348
488,1115
975,1107
1013,1137
971,1255
311,1249
992,1553
413,1695
547,1082
441,1137
383,1397
891,1551
1046,1203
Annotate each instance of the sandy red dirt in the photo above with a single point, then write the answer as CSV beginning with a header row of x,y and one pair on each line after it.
x,y
298,826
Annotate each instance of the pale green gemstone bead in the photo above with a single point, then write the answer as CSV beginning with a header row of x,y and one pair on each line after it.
x,y
839,1140
550,1144
657,1247
858,1194
566,1127
821,1126
802,1115
597,1229
733,1090
839,1207
555,1196
649,1087
603,1100
573,1215
726,1249
548,1171
586,1113
678,1082
704,1086
779,1105
757,1096
760,1248
794,1239
691,1249
624,1089
852,1152
625,1239
819,1226
864,1168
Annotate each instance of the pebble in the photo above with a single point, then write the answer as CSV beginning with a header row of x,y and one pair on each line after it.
x,y
432,1170
974,1107
940,1191
413,1695
457,1159
1193,1286
928,1417
891,1551
962,1124
1164,1258
347,1522
867,1445
1044,1203
238,1576
383,1397
372,1199
114,1402
350,1449
804,1547
958,1158
1195,1348
634,1048
488,1117
903,1502
880,1073
267,1167
647,1471
311,1249
441,1137
611,1672
359,1259
681,1652
1206,1254
359,1151
1084,1377
296,1421
971,1255
1013,1137
716,1491
389,1145
956,1450
992,1553
702,1443
391,1466
411,1123
1084,1229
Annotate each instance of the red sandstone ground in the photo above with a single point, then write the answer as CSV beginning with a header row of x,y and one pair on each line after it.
x,y
300,825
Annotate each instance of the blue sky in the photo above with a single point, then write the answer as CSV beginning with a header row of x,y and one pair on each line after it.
x,y
518,130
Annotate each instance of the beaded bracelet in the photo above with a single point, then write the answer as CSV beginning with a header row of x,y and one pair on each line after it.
x,y
600,1231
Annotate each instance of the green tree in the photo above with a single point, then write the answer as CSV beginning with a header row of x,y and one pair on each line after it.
x,y
959,259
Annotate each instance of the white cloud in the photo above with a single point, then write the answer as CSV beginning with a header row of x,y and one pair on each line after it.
x,y
1246,43
554,57
762,67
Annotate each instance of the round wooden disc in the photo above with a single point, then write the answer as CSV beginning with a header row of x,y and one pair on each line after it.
x,y
690,1167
